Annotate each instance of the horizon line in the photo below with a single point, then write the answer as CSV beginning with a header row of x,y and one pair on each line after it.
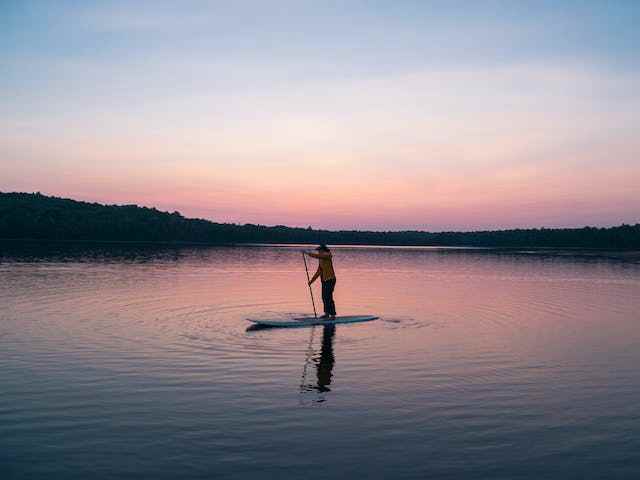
x,y
316,229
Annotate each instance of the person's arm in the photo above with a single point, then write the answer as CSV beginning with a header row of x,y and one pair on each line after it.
x,y
315,276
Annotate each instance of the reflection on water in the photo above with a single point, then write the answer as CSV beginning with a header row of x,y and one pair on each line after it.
x,y
323,362
135,361
321,358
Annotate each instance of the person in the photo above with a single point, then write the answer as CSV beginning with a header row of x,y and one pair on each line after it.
x,y
327,277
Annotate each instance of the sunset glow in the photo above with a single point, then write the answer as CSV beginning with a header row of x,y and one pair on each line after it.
x,y
431,116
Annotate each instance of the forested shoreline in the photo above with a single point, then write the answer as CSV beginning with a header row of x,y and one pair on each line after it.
x,y
40,217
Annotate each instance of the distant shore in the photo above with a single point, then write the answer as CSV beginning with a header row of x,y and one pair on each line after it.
x,y
39,217
39,248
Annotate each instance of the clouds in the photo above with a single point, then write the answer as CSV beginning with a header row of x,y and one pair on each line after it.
x,y
452,113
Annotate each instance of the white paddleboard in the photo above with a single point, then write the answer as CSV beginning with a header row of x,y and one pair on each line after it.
x,y
311,321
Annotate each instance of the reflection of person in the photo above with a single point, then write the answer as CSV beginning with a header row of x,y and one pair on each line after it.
x,y
325,365
328,277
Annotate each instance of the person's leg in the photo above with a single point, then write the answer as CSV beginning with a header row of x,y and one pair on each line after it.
x,y
331,304
325,298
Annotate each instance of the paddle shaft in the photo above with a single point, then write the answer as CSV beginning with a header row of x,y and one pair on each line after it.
x,y
313,302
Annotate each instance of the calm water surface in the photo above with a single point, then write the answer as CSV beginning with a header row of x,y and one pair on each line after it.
x,y
136,362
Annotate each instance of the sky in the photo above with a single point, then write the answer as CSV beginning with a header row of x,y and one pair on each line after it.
x,y
381,115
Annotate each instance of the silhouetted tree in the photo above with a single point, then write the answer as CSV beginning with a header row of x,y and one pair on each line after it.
x,y
36,216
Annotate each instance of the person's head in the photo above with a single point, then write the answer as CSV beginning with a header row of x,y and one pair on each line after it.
x,y
323,248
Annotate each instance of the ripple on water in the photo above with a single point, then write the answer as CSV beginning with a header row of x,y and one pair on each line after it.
x,y
152,361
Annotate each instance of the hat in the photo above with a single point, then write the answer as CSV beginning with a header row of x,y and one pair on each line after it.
x,y
323,248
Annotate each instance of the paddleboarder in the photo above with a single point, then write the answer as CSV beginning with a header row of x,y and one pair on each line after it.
x,y
327,277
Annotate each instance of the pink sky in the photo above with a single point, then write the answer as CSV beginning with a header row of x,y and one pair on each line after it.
x,y
434,131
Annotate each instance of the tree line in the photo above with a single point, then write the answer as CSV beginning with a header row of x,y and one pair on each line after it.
x,y
37,216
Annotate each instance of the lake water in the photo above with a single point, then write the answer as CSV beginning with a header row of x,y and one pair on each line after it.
x,y
135,362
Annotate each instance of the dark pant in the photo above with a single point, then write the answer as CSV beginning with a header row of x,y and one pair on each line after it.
x,y
327,296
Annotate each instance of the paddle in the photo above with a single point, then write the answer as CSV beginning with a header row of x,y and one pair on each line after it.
x,y
313,302
313,329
